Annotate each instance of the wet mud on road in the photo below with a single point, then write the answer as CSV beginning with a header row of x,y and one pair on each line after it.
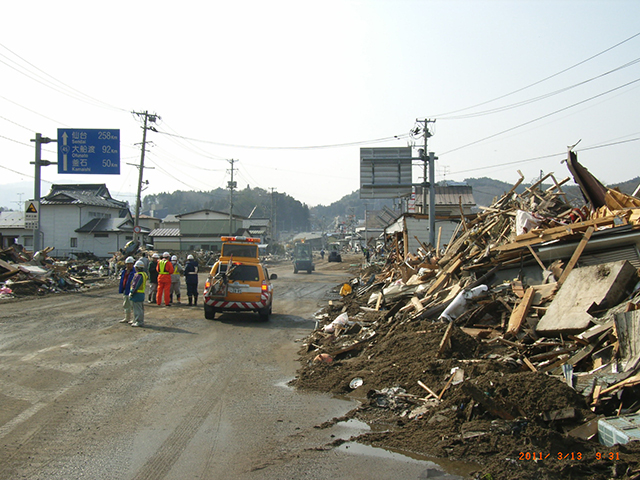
x,y
84,396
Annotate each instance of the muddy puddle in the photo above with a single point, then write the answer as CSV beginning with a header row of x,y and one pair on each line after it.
x,y
433,468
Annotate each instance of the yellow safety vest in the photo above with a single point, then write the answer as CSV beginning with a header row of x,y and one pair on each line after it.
x,y
143,284
162,267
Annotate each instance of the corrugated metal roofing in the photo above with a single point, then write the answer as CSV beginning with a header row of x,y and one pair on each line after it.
x,y
450,195
165,232
11,219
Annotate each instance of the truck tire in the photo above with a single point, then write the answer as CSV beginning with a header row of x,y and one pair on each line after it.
x,y
263,314
209,312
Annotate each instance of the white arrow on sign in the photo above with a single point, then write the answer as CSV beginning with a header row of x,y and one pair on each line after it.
x,y
64,151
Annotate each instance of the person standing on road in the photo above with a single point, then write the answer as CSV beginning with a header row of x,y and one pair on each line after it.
x,y
175,279
191,279
322,254
145,260
153,278
165,269
136,295
124,288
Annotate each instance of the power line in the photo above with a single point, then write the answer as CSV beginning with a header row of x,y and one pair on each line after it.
x,y
542,157
540,118
34,112
540,97
72,92
539,81
308,147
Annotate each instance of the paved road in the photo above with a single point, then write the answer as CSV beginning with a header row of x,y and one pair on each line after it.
x,y
83,396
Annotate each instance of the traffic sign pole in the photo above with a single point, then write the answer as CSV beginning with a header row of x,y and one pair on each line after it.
x,y
39,140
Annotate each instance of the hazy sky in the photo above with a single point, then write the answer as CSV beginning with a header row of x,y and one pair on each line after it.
x,y
510,84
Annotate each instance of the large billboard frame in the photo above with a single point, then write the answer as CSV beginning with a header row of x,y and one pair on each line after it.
x,y
386,172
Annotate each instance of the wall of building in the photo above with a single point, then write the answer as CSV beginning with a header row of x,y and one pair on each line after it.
x,y
59,222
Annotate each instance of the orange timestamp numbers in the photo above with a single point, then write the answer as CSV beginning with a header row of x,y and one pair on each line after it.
x,y
537,456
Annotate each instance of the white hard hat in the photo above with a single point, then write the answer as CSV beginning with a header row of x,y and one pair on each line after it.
x,y
130,260
189,257
166,254
156,255
139,264
174,258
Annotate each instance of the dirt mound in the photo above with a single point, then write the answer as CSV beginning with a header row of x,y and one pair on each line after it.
x,y
491,410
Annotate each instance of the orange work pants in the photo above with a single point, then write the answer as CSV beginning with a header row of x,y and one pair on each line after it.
x,y
164,288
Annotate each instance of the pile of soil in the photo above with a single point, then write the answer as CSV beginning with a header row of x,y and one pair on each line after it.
x,y
506,430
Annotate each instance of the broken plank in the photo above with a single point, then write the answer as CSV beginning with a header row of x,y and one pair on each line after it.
x,y
443,275
535,255
563,414
520,312
417,304
446,386
431,392
576,255
495,407
528,363
446,340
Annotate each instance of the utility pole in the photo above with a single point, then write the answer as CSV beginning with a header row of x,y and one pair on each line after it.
x,y
430,159
274,202
232,185
148,118
39,140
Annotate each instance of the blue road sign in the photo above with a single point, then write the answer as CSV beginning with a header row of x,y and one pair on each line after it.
x,y
92,151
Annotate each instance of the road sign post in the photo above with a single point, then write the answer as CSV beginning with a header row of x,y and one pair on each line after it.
x,y
32,215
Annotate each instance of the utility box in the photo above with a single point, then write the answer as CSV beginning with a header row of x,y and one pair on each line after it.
x,y
623,429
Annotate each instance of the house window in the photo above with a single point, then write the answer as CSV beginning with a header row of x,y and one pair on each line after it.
x,y
101,235
28,241
73,242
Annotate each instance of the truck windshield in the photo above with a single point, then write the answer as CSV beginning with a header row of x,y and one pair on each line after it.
x,y
238,250
303,251
242,273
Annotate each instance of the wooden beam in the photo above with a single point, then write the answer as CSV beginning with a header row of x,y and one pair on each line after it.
x,y
576,255
417,304
431,392
535,255
446,340
520,312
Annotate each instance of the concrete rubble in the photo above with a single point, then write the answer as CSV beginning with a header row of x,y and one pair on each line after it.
x,y
517,330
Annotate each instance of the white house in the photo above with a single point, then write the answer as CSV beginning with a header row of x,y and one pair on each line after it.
x,y
84,218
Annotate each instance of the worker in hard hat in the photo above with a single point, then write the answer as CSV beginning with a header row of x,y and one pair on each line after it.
x,y
153,277
191,279
126,276
136,295
165,269
175,279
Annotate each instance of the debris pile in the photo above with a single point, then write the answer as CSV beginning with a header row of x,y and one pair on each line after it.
x,y
23,274
509,347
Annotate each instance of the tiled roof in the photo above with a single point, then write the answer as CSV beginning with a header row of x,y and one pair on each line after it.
x,y
108,225
76,197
